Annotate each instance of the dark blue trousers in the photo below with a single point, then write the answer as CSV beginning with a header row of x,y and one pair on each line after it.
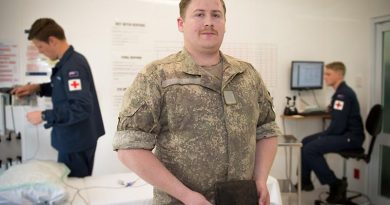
x,y
313,150
79,163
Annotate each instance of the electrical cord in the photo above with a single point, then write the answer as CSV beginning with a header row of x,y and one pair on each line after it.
x,y
37,147
315,98
287,172
78,190
301,99
36,132
37,139
13,117
85,201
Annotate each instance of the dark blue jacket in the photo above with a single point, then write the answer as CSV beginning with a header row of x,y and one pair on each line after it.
x,y
76,118
345,113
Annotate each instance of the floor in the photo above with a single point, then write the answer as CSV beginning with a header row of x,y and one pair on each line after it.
x,y
308,198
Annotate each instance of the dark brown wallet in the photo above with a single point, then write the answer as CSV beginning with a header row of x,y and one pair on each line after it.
x,y
242,192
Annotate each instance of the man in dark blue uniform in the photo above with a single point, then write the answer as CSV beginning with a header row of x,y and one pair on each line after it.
x,y
75,118
344,132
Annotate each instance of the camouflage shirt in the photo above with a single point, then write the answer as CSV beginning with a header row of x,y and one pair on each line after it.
x,y
201,131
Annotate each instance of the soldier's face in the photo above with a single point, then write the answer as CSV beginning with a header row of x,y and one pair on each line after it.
x,y
203,26
332,77
47,49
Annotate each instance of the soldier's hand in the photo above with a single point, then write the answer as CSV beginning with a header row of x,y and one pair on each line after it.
x,y
35,117
196,198
262,192
25,90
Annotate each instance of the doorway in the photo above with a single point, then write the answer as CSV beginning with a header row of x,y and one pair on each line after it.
x,y
379,174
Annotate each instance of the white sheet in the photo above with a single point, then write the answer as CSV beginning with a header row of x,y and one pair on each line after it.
x,y
110,190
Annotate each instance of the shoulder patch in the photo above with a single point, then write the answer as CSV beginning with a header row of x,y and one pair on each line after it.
x,y
341,96
338,105
74,84
73,74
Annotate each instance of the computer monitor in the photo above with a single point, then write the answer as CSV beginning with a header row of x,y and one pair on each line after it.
x,y
307,75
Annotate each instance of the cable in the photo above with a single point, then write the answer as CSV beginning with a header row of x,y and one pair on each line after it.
x,y
79,190
127,184
13,117
288,174
4,117
301,99
77,193
37,147
37,140
315,98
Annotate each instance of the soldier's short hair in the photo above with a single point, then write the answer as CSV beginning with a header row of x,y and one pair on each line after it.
x,y
337,66
43,28
184,4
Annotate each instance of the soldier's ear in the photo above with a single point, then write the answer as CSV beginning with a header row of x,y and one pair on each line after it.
x,y
180,24
52,41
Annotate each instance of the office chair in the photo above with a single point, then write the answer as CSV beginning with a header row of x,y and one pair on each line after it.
x,y
373,127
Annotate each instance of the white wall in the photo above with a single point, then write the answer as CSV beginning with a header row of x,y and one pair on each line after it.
x,y
326,30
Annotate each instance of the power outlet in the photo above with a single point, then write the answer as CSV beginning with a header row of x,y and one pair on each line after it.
x,y
356,173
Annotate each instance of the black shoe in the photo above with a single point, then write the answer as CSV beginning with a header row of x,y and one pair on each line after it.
x,y
336,199
338,192
305,187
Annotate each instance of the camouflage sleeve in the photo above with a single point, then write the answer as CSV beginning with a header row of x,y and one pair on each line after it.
x,y
266,126
138,121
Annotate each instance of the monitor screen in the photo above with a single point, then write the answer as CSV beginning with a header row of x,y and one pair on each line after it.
x,y
307,75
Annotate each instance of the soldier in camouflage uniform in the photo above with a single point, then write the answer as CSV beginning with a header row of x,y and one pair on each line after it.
x,y
208,116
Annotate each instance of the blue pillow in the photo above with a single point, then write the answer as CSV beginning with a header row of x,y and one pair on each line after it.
x,y
34,182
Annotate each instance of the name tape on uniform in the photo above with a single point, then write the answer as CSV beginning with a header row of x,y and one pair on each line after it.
x,y
229,97
73,74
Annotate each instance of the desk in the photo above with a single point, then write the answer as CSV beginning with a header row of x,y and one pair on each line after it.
x,y
324,117
290,141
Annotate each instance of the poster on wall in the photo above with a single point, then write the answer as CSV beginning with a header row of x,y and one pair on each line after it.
x,y
128,56
263,57
133,46
8,64
37,64
132,49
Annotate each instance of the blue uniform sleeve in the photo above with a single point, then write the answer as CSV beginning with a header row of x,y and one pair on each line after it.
x,y
72,98
340,111
45,89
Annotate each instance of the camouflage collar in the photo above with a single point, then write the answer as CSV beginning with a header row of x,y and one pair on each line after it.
x,y
190,67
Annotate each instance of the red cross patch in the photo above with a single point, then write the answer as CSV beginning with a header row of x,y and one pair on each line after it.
x,y
338,105
74,84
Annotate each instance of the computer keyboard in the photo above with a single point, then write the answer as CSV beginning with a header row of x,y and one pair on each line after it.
x,y
316,112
